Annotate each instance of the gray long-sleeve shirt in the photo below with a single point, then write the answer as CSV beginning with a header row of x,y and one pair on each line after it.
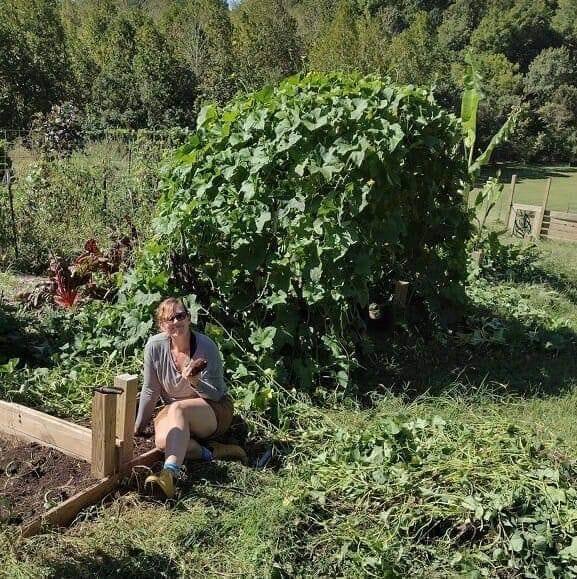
x,y
162,378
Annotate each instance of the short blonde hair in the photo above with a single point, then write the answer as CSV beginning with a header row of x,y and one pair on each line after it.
x,y
165,307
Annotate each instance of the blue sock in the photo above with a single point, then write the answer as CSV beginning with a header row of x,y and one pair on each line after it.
x,y
206,454
172,467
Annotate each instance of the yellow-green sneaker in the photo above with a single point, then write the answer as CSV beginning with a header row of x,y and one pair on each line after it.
x,y
164,480
228,452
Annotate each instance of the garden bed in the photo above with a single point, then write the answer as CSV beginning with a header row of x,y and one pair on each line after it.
x,y
35,478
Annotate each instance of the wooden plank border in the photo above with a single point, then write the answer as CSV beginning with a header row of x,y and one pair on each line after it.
x,y
63,514
572,217
401,294
35,426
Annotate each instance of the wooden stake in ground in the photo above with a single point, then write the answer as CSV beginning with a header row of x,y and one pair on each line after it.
x,y
401,294
103,432
477,257
509,204
8,178
538,223
126,415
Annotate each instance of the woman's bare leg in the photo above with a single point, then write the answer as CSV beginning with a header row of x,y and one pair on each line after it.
x,y
185,418
161,428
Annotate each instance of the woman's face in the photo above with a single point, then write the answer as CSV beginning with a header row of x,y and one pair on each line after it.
x,y
176,323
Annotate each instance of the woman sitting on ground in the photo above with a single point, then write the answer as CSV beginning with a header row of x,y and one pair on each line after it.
x,y
185,368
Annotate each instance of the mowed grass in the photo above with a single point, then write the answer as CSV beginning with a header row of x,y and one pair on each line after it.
x,y
531,186
327,510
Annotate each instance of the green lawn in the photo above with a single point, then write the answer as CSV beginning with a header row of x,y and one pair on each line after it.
x,y
459,466
531,186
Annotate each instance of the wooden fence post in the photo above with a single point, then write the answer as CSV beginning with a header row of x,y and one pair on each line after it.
x,y
126,416
9,178
538,223
510,197
477,257
103,433
401,294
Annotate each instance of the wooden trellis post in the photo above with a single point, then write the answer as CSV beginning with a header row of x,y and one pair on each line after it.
x,y
477,257
538,223
510,199
8,178
125,416
104,458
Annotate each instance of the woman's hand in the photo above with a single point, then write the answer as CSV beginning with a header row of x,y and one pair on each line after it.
x,y
192,370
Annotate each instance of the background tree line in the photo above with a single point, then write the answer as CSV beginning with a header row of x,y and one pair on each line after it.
x,y
151,63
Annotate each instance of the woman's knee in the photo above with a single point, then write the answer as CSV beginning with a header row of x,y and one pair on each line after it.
x,y
179,409
196,414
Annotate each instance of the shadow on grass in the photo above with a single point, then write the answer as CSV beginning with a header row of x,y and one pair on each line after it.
x,y
135,563
22,337
202,480
510,357
530,172
559,282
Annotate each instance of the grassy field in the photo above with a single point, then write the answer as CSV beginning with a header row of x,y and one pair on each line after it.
x,y
466,429
461,462
531,185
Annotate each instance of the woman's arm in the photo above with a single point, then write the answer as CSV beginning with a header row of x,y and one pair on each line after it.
x,y
211,384
150,392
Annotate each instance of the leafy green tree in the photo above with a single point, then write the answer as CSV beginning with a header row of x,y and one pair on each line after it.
x,y
338,47
375,33
560,113
34,71
199,33
519,29
166,91
138,83
459,21
414,55
265,42
312,18
407,10
551,69
558,119
354,39
565,20
115,99
86,26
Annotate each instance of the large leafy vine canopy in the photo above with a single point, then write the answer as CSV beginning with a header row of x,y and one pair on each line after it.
x,y
290,210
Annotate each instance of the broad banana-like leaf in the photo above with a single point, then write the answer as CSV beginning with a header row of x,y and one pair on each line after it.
x,y
499,137
472,95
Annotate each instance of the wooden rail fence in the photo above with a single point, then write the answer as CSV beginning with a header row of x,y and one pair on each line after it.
x,y
536,221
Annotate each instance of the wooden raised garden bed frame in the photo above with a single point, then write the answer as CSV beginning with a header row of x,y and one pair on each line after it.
x,y
108,446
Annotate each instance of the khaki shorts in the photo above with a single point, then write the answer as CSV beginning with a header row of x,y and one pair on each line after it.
x,y
223,410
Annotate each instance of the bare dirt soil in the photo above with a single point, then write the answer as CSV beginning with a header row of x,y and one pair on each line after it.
x,y
34,478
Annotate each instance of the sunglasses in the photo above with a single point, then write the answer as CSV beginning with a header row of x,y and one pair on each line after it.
x,y
179,316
